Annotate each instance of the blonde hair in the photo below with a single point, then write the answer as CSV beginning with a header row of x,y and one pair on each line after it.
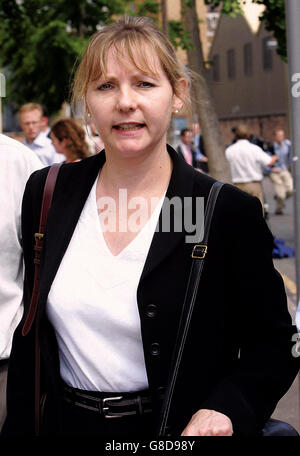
x,y
28,107
129,36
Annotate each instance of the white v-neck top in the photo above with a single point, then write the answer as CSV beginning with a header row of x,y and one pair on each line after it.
x,y
92,305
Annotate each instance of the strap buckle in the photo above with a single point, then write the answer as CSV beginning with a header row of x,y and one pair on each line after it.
x,y
106,413
199,251
38,236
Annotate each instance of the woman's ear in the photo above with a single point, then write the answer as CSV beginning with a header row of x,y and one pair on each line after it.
x,y
179,99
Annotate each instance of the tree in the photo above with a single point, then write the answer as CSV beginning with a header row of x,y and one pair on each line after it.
x,y
273,16
40,42
207,116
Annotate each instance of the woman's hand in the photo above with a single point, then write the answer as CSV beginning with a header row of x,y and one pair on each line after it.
x,y
208,422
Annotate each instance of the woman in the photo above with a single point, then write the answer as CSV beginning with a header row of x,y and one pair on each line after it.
x,y
68,138
112,289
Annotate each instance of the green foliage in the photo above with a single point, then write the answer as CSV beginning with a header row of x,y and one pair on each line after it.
x,y
273,17
148,8
41,41
232,7
178,36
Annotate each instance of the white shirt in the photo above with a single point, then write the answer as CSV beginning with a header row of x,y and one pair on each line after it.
x,y
93,307
16,164
44,149
246,161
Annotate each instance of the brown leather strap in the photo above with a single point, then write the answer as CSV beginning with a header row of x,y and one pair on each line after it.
x,y
37,381
46,203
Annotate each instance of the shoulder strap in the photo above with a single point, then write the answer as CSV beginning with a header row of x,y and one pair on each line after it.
x,y
198,255
46,203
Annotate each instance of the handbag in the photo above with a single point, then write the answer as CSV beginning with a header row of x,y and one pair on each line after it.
x,y
272,427
30,318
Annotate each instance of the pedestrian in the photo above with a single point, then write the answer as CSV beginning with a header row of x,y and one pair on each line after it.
x,y
185,147
280,174
247,162
16,165
198,141
68,138
31,121
111,299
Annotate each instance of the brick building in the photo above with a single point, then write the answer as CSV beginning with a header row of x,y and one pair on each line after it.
x,y
248,80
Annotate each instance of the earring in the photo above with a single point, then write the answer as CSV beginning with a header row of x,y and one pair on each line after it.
x,y
176,111
89,114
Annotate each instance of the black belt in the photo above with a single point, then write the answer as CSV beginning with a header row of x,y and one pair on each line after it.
x,y
109,406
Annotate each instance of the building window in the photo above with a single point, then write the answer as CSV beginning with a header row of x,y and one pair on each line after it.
x,y
267,53
231,63
248,62
216,67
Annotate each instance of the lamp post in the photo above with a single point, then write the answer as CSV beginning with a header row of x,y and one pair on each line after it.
x,y
293,41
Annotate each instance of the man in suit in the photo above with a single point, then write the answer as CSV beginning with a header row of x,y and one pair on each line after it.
x,y
199,148
185,147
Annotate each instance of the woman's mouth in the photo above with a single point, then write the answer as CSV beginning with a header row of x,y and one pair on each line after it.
x,y
129,126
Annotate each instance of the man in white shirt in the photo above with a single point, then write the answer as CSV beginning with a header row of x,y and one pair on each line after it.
x,y
31,121
16,165
247,162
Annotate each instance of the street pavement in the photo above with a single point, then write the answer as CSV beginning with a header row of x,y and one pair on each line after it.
x,y
282,226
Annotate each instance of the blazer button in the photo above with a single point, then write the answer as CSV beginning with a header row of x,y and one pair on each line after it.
x,y
151,310
155,349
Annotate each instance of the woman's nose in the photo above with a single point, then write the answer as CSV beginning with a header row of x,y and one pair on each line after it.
x,y
127,99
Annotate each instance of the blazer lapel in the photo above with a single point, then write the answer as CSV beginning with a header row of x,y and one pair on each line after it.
x,y
165,240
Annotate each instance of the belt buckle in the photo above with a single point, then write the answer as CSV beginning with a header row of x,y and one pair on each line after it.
x,y
106,409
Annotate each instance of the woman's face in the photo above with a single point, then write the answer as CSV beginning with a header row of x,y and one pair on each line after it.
x,y
131,110
59,145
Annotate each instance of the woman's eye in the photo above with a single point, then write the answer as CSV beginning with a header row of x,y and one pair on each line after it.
x,y
105,86
145,84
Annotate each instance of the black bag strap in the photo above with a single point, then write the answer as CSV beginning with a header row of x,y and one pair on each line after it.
x,y
198,255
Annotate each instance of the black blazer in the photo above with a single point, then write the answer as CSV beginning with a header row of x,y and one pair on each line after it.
x,y
238,358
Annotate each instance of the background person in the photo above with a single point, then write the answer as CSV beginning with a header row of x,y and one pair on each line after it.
x,y
247,163
185,147
198,141
16,165
31,121
110,301
280,174
68,138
